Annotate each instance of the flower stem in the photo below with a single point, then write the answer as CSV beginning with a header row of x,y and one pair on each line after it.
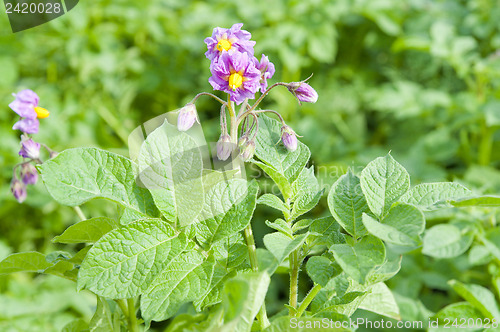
x,y
79,212
307,300
243,115
207,94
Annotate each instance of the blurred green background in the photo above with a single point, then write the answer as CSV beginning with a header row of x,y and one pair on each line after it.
x,y
419,78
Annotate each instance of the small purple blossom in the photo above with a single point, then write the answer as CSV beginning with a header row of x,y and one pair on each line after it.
x,y
25,103
30,149
228,40
247,151
303,91
224,147
289,138
29,174
187,117
18,189
27,125
235,74
266,69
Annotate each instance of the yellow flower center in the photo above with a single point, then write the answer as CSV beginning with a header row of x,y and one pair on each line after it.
x,y
41,112
235,80
223,44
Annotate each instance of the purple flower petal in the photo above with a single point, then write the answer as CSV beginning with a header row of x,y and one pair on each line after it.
x,y
30,149
234,38
27,125
29,174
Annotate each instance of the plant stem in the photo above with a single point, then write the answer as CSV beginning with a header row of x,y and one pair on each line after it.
x,y
308,299
294,280
252,251
79,212
132,319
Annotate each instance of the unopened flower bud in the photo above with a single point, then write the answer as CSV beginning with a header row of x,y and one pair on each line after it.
x,y
29,174
30,149
224,147
289,138
247,151
242,141
187,117
18,189
303,91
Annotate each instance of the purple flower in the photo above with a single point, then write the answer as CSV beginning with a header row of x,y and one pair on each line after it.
x,y
235,74
29,174
224,147
30,149
27,125
25,103
303,91
289,138
247,151
18,189
266,69
228,40
187,117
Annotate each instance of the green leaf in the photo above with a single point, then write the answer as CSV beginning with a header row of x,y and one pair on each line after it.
x,y
283,165
184,279
102,321
283,185
273,201
301,224
401,226
484,201
385,271
231,252
228,209
213,294
305,183
303,324
243,296
267,261
123,262
170,166
360,258
281,245
458,311
77,325
446,241
31,261
381,301
481,298
492,241
347,204
76,176
281,226
325,231
87,231
383,182
427,196
304,203
320,269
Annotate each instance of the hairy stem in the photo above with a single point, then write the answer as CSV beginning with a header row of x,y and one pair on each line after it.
x,y
252,251
294,280
308,299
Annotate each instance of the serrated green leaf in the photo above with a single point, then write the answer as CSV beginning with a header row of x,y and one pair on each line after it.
x,y
427,196
381,301
123,262
281,226
320,269
281,245
78,175
446,241
228,209
273,201
360,258
170,167
484,201
242,299
480,297
87,231
383,182
183,280
401,226
347,204
30,261
304,203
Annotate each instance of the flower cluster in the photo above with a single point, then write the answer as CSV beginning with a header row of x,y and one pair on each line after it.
x,y
236,71
26,106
